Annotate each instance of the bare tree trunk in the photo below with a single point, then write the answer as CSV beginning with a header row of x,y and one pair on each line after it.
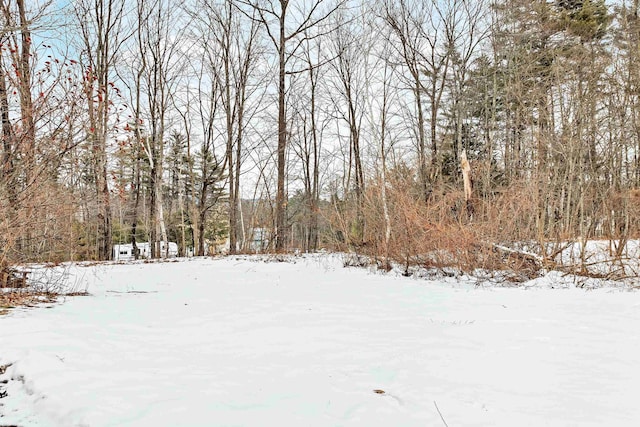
x,y
136,198
281,201
225,47
140,144
7,142
383,158
466,178
8,183
314,196
24,85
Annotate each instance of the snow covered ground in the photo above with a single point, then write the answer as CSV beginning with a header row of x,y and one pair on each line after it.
x,y
243,342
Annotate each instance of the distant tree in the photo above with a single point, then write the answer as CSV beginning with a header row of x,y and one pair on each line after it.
x,y
210,185
177,168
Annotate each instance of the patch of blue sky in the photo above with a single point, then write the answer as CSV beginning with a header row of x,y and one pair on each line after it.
x,y
52,29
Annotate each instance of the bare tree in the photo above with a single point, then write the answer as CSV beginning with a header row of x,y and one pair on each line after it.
x,y
38,103
22,144
287,31
237,47
209,162
142,14
101,25
162,65
312,145
348,48
306,131
380,98
420,30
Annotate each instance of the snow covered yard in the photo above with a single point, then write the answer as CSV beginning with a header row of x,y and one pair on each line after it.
x,y
243,342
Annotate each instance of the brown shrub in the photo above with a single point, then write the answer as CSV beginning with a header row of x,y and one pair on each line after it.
x,y
441,233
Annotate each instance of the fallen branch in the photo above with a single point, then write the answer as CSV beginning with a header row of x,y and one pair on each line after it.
x,y
440,413
133,292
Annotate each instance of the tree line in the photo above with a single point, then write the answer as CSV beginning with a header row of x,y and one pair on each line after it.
x,y
333,124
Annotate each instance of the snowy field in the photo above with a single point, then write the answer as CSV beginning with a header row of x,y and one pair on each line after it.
x,y
243,342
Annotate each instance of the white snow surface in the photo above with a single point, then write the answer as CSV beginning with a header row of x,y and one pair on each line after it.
x,y
238,341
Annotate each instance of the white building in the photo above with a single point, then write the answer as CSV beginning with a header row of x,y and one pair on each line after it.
x,y
259,240
124,252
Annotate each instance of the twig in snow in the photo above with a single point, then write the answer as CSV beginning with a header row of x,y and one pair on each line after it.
x,y
133,292
440,413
